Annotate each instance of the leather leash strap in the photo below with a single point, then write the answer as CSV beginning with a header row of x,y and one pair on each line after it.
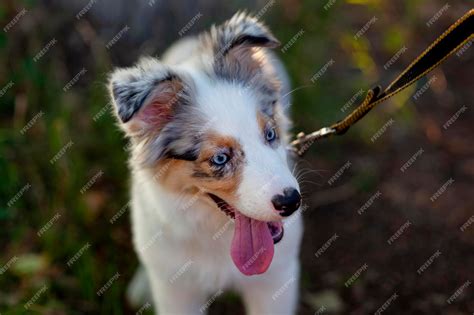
x,y
455,37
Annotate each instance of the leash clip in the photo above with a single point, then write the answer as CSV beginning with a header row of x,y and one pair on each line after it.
x,y
302,142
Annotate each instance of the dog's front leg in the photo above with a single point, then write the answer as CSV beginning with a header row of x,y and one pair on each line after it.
x,y
176,298
276,295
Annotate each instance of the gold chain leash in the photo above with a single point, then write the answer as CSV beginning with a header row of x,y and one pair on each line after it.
x,y
455,37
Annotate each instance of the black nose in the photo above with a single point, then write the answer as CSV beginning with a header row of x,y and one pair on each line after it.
x,y
287,203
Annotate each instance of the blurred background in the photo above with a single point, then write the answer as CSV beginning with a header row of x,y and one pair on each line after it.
x,y
379,229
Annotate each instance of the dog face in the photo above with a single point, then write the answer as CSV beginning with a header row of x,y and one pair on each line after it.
x,y
215,127
243,157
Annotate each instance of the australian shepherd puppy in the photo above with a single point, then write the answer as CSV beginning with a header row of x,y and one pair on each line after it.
x,y
212,184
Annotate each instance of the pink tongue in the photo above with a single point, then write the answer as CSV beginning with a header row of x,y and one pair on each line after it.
x,y
252,245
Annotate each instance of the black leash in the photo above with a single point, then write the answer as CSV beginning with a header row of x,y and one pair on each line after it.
x,y
456,36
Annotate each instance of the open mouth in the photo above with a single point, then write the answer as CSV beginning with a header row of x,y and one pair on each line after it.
x,y
253,241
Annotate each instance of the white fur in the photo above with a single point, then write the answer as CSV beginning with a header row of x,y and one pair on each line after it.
x,y
184,242
196,241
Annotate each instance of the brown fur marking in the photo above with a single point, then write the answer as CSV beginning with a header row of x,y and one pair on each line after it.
x,y
223,182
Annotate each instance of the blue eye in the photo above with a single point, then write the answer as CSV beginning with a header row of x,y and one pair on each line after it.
x,y
220,159
270,135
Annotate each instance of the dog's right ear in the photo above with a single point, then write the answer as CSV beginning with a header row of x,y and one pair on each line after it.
x,y
239,50
239,34
146,96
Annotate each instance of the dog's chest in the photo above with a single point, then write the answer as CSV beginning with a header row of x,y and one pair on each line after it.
x,y
184,247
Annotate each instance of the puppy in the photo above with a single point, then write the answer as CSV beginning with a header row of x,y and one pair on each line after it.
x,y
212,184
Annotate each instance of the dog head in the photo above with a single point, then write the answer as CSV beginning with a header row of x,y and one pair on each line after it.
x,y
215,126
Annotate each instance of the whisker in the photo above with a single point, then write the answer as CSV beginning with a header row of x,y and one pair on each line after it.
x,y
296,89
